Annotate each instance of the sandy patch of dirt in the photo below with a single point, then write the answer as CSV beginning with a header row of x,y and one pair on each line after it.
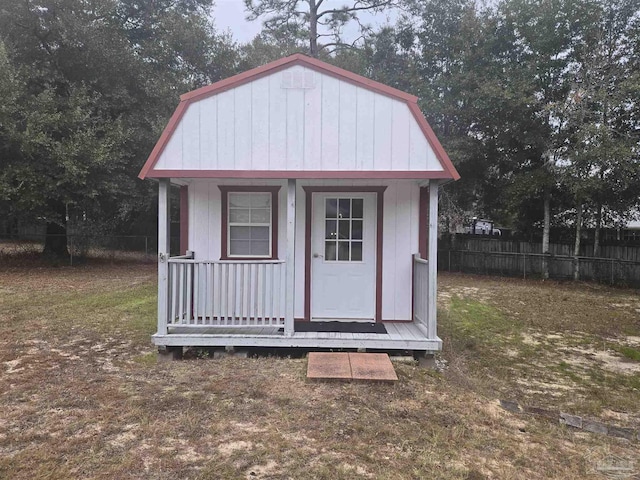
x,y
447,292
357,469
229,448
266,470
12,366
530,339
249,427
552,389
123,439
632,340
605,359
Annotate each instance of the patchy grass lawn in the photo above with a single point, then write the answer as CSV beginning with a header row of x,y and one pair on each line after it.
x,y
573,346
81,394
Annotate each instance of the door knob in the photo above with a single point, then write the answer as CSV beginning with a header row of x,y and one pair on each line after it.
x,y
317,255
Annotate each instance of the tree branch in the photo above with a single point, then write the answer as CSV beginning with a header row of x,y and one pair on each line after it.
x,y
374,6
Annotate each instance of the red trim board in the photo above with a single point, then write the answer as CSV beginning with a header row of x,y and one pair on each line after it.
x,y
184,219
302,174
423,223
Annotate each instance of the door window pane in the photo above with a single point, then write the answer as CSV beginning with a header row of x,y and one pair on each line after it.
x,y
330,251
356,229
331,205
343,251
356,251
344,230
357,207
330,229
344,208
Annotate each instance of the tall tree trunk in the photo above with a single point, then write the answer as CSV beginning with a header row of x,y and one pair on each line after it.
x,y
596,235
576,247
313,28
546,231
55,244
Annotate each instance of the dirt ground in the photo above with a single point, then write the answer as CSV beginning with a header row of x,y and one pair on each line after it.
x,y
82,395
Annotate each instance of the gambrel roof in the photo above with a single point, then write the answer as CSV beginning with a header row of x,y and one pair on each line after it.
x,y
298,117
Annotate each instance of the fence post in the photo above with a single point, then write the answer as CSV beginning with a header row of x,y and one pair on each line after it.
x,y
612,271
71,250
524,265
146,247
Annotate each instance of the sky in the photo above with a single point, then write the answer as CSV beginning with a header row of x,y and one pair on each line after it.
x,y
230,15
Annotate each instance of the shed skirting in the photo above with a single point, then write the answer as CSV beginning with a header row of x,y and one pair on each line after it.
x,y
399,336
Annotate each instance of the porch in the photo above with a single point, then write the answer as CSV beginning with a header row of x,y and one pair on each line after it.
x,y
242,304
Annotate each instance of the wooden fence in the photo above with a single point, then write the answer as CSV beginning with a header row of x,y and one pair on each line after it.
x,y
615,264
479,243
604,270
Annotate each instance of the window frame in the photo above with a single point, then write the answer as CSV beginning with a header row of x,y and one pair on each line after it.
x,y
225,190
351,197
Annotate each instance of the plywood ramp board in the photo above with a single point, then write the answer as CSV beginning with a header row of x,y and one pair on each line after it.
x,y
328,366
372,366
350,366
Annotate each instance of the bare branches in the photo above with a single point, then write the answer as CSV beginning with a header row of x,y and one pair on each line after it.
x,y
375,6
307,15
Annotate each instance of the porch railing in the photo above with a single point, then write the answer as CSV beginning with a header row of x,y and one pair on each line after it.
x,y
421,291
226,293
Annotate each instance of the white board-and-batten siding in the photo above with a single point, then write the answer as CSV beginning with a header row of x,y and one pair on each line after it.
x,y
322,124
400,233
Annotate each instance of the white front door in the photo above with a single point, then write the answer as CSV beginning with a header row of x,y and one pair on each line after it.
x,y
343,263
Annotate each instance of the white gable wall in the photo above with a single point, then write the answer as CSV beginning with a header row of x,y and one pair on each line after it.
x,y
333,126
400,236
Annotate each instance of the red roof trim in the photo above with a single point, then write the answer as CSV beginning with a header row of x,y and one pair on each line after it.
x,y
433,141
297,59
163,140
315,64
302,174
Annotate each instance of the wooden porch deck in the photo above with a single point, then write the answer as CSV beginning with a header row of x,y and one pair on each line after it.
x,y
399,336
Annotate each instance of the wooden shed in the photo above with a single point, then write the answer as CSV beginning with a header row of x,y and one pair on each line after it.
x,y
309,204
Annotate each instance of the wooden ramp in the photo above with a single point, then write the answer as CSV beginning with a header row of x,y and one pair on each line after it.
x,y
350,366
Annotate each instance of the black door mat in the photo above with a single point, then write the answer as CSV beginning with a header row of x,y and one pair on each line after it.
x,y
340,327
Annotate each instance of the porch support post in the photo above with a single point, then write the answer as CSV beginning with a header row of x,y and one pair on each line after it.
x,y
290,258
433,259
163,254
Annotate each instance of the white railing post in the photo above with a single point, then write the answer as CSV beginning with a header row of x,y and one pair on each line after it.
x,y
416,287
433,260
420,290
290,258
163,254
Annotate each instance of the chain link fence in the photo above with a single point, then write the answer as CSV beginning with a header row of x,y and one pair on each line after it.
x,y
603,270
81,247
